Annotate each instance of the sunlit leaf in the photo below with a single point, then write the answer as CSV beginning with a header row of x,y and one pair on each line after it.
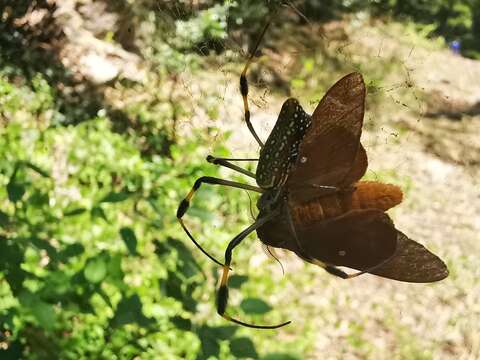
x,y
115,269
96,270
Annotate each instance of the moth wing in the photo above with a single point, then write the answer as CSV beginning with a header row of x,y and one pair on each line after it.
x,y
359,239
412,263
330,152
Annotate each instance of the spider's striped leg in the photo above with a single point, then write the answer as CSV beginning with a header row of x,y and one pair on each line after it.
x,y
293,231
185,204
226,162
222,297
333,270
230,159
244,87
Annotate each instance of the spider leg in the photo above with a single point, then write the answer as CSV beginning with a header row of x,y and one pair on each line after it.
x,y
226,162
222,297
293,231
230,159
333,270
185,203
244,87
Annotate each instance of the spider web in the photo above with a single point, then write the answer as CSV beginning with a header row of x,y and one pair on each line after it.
x,y
412,99
302,58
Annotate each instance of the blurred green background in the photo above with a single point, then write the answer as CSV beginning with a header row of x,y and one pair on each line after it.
x,y
107,112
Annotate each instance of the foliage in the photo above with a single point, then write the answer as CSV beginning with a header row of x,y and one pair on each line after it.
x,y
452,19
92,261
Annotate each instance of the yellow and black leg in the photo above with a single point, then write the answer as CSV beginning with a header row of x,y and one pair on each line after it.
x,y
333,270
226,163
244,87
185,204
222,296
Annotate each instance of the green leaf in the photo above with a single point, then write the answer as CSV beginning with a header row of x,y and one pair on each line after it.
x,y
38,198
74,212
44,245
97,211
181,323
71,251
224,332
44,313
96,270
15,191
186,264
255,306
11,259
129,310
114,197
209,342
242,347
173,289
15,278
36,169
129,239
4,219
161,248
114,269
236,281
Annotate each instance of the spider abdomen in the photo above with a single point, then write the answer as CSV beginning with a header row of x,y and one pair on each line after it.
x,y
367,195
281,148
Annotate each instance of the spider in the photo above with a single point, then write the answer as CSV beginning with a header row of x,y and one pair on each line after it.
x,y
312,202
